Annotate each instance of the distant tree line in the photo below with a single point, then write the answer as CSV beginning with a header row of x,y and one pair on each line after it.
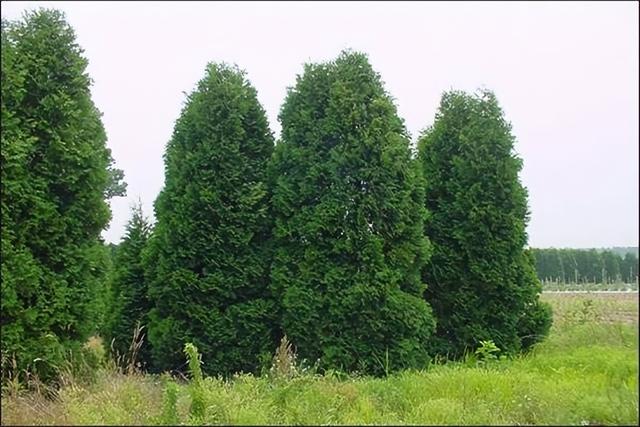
x,y
367,255
585,266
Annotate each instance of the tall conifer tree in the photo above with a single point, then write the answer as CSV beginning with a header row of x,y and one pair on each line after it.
x,y
349,242
129,305
482,284
56,177
208,267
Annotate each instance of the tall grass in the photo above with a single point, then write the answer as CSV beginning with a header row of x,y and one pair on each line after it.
x,y
585,373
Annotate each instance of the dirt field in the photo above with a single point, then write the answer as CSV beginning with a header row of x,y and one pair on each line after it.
x,y
602,306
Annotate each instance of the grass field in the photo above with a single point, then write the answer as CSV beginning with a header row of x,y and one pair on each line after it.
x,y
585,373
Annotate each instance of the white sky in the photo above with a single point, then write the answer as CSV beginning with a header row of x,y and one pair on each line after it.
x,y
566,75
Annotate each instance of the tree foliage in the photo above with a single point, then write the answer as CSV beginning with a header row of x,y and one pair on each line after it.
x,y
129,304
482,285
55,178
348,238
208,267
585,265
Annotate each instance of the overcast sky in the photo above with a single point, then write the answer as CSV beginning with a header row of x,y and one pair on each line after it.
x,y
566,75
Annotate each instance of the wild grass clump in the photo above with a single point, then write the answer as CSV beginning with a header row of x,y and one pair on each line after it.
x,y
169,416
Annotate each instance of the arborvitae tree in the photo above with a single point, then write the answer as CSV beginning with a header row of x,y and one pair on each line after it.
x,y
482,285
20,271
207,258
348,240
55,179
129,305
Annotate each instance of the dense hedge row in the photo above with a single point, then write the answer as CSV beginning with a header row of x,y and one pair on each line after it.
x,y
337,236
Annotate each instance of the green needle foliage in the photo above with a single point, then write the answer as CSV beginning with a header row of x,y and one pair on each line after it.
x,y
482,284
348,238
55,178
129,305
208,266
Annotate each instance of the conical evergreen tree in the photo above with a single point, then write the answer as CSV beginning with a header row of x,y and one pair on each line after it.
x,y
129,305
207,259
348,237
55,179
482,285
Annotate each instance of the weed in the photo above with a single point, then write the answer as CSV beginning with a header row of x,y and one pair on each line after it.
x,y
584,313
384,364
198,404
169,415
128,362
283,365
487,353
11,385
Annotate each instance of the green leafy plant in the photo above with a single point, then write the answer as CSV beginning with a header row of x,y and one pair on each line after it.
x,y
487,353
169,416
196,389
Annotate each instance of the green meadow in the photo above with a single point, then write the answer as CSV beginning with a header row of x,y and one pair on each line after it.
x,y
585,373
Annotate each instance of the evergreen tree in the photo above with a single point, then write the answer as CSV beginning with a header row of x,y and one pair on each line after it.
x,y
348,241
55,178
482,285
129,305
207,259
